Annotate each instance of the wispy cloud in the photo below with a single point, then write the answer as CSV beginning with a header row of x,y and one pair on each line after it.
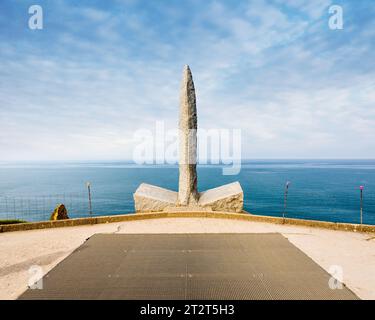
x,y
79,88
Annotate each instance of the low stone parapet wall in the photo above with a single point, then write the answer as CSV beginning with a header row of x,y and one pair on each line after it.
x,y
199,214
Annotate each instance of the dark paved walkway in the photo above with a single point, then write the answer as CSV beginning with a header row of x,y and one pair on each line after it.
x,y
187,266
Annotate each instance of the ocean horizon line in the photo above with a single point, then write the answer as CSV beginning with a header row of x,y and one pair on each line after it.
x,y
244,164
208,162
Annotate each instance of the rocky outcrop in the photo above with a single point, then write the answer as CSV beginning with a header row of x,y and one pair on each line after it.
x,y
60,213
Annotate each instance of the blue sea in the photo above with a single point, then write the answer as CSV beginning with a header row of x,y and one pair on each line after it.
x,y
320,189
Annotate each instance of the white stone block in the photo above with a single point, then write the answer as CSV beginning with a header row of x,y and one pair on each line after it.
x,y
149,198
228,197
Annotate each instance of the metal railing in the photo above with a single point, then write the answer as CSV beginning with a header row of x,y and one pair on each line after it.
x,y
39,208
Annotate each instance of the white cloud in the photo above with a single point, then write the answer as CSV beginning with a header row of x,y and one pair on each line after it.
x,y
94,14
258,68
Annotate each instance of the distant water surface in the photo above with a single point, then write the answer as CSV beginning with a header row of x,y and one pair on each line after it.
x,y
320,189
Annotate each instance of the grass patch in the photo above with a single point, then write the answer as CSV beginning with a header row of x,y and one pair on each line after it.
x,y
11,221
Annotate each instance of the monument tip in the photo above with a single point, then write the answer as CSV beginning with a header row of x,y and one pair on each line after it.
x,y
187,68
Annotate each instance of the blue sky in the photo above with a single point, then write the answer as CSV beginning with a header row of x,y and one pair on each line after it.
x,y
99,70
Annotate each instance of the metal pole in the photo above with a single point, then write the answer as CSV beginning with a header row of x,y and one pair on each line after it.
x,y
6,208
14,207
361,188
89,192
285,199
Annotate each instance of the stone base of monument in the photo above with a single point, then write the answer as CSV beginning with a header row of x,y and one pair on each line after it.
x,y
149,198
228,197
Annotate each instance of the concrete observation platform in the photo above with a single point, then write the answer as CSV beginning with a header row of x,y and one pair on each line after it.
x,y
351,251
188,266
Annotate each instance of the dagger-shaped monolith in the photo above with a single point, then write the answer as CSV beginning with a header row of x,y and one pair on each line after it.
x,y
187,186
226,198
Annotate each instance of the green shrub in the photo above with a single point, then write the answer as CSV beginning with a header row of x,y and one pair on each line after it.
x,y
11,221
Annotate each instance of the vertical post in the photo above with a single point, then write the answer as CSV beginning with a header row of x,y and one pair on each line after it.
x,y
89,193
285,199
361,212
14,207
29,212
6,207
44,206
